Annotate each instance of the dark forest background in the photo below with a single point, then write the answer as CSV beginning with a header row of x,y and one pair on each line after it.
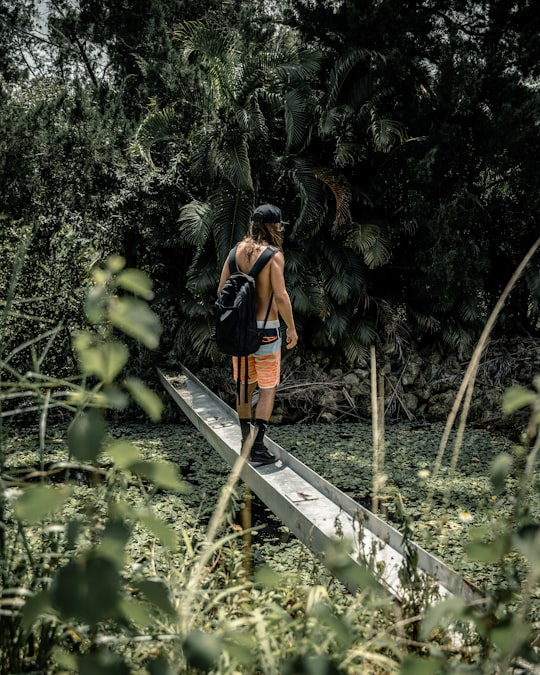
x,y
400,138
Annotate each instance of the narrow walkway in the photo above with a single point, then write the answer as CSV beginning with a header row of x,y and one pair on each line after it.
x,y
313,509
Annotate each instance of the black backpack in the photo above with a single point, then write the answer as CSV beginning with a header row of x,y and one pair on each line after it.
x,y
236,331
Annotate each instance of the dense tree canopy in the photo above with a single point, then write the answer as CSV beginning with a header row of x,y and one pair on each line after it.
x,y
399,138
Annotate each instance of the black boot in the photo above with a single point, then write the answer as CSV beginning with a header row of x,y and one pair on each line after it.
x,y
261,455
259,452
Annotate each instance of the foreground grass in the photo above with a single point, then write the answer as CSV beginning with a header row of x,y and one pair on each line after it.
x,y
290,578
340,453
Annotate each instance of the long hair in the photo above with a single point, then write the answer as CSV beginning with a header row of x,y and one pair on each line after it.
x,y
266,232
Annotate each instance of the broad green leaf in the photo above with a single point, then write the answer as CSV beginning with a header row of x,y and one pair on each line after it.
x,y
86,590
33,608
104,361
415,665
166,535
94,305
115,263
123,453
162,474
103,662
135,318
136,612
137,282
487,552
37,502
515,398
112,398
508,638
149,401
202,650
156,592
527,542
85,435
64,659
500,469
113,542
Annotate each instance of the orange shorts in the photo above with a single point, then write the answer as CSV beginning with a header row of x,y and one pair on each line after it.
x,y
265,364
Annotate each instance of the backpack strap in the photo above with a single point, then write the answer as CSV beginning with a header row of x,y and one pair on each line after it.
x,y
261,261
233,267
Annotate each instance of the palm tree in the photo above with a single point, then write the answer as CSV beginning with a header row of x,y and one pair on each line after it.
x,y
267,130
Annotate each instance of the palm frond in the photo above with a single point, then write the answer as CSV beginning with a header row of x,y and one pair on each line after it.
x,y
387,134
355,342
310,191
158,126
341,190
306,296
234,165
216,52
297,119
231,211
372,241
196,223
202,279
341,70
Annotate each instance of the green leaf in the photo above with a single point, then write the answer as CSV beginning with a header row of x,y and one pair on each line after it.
x,y
104,361
85,435
137,282
33,608
149,401
86,590
508,638
487,552
162,474
136,612
202,650
166,535
114,540
40,501
123,453
500,470
156,592
527,542
135,318
94,306
115,263
515,398
415,665
102,663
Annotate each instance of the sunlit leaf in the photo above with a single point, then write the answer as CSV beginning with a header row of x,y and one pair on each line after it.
x,y
162,474
39,501
166,535
442,614
149,401
515,398
94,305
137,282
123,453
105,361
135,318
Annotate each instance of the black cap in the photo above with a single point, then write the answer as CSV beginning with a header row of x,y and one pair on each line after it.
x,y
268,213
